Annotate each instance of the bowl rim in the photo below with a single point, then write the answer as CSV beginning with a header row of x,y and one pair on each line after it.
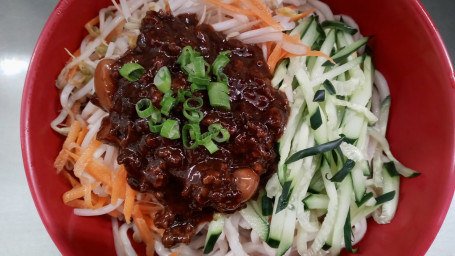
x,y
55,16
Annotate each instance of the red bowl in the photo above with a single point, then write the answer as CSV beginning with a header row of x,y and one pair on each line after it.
x,y
407,49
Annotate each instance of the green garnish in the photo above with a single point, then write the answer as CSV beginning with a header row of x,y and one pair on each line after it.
x,y
219,95
131,71
163,79
170,129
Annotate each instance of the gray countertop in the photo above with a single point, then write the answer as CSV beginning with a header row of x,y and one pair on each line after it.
x,y
21,21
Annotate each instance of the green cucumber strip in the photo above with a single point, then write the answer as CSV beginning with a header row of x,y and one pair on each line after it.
x,y
382,199
316,201
329,87
215,229
319,96
391,169
358,182
339,26
364,199
284,197
267,205
287,236
344,52
341,174
317,183
256,221
316,119
276,227
280,73
322,148
348,234
337,71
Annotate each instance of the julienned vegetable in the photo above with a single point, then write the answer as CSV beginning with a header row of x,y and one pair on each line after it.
x,y
325,171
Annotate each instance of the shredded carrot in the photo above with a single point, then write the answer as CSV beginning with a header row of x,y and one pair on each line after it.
x,y
71,179
99,171
86,155
274,57
76,192
92,23
138,219
302,15
117,30
100,202
261,11
77,203
175,253
230,7
130,196
119,185
80,138
71,73
61,160
72,134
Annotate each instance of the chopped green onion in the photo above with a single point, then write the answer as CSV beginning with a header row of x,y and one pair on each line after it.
x,y
210,146
194,116
167,103
199,80
198,87
155,117
216,129
182,95
155,128
219,95
218,65
198,100
144,108
170,129
163,79
193,131
186,56
131,71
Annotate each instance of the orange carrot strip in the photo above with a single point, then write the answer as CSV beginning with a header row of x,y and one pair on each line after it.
x,y
71,179
274,57
100,203
92,23
144,230
230,7
100,172
302,15
87,154
71,73
261,11
175,253
81,136
117,30
87,196
76,192
130,196
61,160
119,185
77,203
72,134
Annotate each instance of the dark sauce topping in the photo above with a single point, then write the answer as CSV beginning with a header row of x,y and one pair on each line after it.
x,y
192,184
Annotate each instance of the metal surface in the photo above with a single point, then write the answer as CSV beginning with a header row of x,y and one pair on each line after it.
x,y
22,232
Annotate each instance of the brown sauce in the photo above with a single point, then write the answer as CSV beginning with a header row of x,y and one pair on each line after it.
x,y
193,184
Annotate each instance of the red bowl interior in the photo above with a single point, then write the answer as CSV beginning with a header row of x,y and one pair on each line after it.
x,y
407,50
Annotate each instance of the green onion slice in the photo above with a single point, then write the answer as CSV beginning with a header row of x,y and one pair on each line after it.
x,y
192,131
218,65
216,129
219,95
194,116
200,80
182,95
155,128
163,79
131,71
210,146
198,103
144,108
198,87
167,103
170,129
